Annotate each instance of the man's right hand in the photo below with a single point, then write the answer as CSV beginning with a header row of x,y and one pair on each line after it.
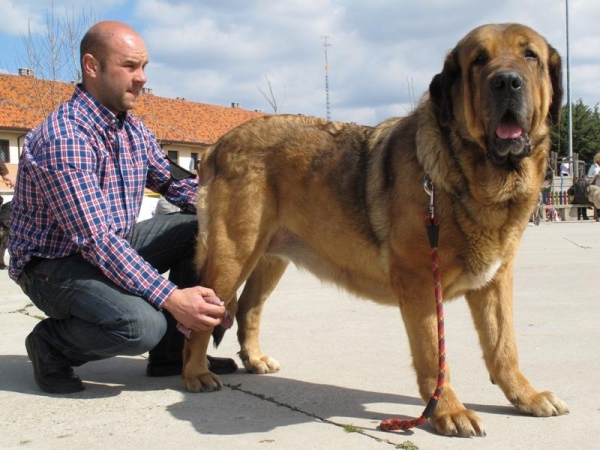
x,y
190,309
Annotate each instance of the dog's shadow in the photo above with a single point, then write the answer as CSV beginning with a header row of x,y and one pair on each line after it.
x,y
246,404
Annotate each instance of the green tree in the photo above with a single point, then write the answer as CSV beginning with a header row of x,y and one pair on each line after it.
x,y
586,131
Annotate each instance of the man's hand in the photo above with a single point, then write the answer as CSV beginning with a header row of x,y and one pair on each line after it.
x,y
190,309
9,180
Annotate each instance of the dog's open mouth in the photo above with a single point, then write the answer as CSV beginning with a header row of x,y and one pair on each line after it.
x,y
509,128
509,141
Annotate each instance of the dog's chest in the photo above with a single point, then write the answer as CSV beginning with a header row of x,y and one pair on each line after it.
x,y
470,280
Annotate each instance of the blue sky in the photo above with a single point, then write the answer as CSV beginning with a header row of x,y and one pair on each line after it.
x,y
382,56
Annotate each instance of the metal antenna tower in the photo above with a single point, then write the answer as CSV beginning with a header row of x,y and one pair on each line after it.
x,y
327,106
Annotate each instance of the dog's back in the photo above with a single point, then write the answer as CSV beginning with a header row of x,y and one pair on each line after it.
x,y
308,180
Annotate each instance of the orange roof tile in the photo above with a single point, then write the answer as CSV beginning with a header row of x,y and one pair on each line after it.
x,y
25,101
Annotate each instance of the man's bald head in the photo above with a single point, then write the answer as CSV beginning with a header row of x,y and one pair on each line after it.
x,y
113,61
103,36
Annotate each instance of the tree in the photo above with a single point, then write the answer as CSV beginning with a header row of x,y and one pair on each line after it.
x,y
586,131
270,97
53,53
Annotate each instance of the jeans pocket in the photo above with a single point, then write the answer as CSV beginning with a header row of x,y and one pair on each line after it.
x,y
44,294
43,300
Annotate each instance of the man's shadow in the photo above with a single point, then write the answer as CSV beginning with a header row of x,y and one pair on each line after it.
x,y
246,404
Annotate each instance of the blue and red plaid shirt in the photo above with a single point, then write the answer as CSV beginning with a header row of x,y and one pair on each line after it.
x,y
80,187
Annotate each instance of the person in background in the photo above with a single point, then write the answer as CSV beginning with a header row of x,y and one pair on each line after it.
x,y
75,247
164,207
593,176
4,230
579,193
8,179
565,168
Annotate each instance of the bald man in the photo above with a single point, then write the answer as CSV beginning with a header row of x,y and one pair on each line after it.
x,y
76,250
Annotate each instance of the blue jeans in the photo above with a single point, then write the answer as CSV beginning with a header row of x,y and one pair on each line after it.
x,y
90,318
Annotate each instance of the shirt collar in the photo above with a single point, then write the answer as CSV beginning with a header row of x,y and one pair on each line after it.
x,y
100,114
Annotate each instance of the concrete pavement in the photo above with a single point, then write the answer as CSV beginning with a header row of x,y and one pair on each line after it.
x,y
345,367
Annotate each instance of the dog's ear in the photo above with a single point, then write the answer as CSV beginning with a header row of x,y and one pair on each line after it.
x,y
440,88
555,70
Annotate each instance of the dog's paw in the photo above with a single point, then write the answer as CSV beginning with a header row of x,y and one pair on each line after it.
x,y
462,423
541,404
264,364
203,382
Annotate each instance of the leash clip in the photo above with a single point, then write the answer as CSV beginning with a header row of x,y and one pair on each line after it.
x,y
428,188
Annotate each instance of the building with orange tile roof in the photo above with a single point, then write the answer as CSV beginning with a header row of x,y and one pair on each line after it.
x,y
183,128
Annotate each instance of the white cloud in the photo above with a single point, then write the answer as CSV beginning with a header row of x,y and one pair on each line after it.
x,y
382,57
17,16
383,53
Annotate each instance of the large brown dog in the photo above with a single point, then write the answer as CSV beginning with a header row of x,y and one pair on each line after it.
x,y
346,202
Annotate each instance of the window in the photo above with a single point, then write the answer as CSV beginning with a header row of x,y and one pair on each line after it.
x,y
193,161
173,155
5,150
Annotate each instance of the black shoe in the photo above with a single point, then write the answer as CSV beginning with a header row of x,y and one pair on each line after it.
x,y
51,378
166,368
157,367
221,366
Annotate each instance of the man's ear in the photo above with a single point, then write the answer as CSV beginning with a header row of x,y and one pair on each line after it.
x,y
555,70
90,65
440,88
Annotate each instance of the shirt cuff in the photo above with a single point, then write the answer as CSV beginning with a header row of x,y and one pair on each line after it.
x,y
158,291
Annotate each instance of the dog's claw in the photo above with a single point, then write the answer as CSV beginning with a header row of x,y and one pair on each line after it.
x,y
463,423
204,382
264,364
542,404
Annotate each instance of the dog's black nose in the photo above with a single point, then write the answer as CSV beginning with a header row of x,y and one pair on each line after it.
x,y
509,81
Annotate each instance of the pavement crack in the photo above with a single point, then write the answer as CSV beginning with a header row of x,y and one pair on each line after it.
x,y
345,427
26,311
585,247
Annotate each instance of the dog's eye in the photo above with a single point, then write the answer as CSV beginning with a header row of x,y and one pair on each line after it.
x,y
480,59
530,55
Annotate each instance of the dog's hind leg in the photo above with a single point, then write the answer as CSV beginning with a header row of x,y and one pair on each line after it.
x,y
259,286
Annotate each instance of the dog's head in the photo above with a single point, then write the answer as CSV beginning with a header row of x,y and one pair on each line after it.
x,y
500,87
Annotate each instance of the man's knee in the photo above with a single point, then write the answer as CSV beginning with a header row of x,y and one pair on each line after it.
x,y
140,334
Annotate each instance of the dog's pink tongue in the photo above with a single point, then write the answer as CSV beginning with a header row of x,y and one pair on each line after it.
x,y
509,131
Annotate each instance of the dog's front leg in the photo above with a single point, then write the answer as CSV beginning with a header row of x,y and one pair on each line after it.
x,y
492,311
418,310
196,375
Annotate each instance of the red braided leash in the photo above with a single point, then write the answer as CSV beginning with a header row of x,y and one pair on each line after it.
x,y
432,225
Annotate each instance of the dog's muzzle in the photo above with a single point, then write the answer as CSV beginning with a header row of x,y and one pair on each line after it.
x,y
508,140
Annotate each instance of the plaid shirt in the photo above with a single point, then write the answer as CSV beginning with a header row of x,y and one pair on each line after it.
x,y
79,190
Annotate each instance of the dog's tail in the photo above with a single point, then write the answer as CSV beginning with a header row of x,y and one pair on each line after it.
x,y
205,173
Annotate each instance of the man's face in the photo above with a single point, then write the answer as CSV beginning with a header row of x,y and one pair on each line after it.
x,y
122,73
